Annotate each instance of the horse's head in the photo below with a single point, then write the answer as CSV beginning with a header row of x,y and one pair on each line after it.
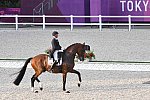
x,y
81,51
78,48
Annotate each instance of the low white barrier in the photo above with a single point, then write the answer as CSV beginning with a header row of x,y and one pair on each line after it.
x,y
114,66
89,66
100,23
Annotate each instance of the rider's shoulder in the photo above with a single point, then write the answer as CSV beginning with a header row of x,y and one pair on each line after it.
x,y
53,39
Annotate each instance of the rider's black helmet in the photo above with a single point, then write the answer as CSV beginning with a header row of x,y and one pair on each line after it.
x,y
54,33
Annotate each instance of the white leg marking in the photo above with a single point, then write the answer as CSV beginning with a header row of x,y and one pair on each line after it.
x,y
40,84
41,87
79,82
32,89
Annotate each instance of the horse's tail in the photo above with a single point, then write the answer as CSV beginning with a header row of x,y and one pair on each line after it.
x,y
21,72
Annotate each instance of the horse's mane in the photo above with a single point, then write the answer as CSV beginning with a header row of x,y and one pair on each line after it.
x,y
72,45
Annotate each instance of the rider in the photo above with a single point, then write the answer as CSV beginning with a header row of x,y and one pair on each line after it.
x,y
56,48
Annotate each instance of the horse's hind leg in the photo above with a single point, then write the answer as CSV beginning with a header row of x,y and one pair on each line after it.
x,y
64,81
41,88
34,77
79,75
32,83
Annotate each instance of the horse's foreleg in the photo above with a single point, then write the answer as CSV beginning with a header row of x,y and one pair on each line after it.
x,y
40,84
79,75
64,81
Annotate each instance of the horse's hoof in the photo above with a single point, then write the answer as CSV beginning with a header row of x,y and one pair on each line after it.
x,y
36,91
79,84
68,92
41,89
64,89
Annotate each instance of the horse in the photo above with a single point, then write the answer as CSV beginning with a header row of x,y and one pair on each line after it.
x,y
40,64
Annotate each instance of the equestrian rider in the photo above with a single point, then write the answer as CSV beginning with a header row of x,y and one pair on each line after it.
x,y
56,48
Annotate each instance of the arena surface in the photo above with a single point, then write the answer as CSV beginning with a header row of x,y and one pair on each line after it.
x,y
108,45
96,85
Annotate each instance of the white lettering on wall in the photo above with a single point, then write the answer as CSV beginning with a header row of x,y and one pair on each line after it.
x,y
146,5
137,7
134,5
123,5
130,6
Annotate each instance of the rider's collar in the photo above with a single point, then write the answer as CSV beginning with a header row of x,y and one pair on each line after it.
x,y
55,37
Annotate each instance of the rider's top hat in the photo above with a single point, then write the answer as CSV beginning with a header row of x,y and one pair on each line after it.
x,y
54,33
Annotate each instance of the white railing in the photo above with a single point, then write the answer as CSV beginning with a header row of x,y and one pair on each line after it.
x,y
71,23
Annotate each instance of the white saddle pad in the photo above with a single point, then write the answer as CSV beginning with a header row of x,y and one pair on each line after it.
x,y
50,61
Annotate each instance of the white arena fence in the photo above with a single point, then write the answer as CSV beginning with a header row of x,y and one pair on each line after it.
x,y
71,23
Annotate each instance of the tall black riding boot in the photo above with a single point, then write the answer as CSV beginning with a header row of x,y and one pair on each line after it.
x,y
54,64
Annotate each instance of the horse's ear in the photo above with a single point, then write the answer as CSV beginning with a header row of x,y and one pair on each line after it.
x,y
84,43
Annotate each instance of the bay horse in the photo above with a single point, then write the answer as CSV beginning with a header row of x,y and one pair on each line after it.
x,y
40,64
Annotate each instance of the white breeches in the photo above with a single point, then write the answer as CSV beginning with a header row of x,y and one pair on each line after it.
x,y
56,54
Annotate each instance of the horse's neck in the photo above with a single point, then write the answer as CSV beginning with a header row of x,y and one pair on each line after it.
x,y
72,50
69,55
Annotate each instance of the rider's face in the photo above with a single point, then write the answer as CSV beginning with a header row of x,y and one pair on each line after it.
x,y
56,35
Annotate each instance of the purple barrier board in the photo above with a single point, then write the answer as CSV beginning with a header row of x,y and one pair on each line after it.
x,y
54,7
82,8
120,8
75,7
9,11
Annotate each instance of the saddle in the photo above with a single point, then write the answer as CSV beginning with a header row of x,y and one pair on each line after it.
x,y
51,57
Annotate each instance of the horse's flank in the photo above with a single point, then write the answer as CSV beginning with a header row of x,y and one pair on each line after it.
x,y
41,61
